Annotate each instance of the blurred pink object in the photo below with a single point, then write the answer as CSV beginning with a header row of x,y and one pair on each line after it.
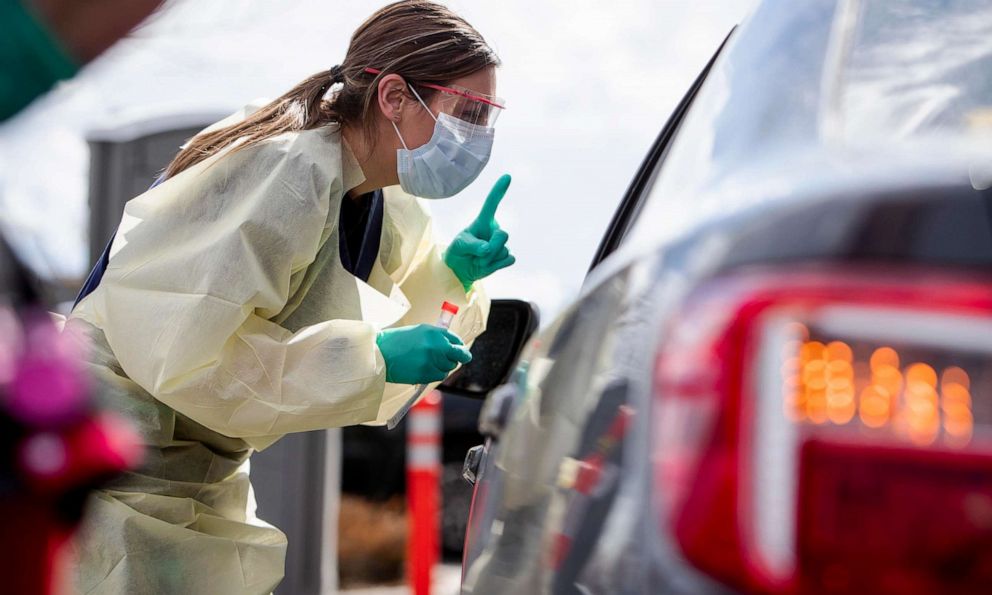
x,y
48,387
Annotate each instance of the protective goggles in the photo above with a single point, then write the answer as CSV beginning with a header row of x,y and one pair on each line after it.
x,y
464,104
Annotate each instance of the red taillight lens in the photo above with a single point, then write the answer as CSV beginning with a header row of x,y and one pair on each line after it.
x,y
759,368
695,449
893,520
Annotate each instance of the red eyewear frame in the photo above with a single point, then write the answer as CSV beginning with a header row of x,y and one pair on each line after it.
x,y
448,90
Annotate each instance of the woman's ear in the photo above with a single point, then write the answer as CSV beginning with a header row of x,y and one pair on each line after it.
x,y
392,94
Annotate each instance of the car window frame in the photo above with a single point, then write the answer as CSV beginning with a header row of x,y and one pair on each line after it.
x,y
632,201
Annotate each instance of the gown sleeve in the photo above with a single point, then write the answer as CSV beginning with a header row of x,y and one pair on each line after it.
x,y
414,262
200,265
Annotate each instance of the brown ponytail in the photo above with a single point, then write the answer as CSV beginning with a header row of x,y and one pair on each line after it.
x,y
422,41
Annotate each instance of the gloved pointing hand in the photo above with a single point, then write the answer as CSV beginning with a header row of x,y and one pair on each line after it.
x,y
421,354
480,249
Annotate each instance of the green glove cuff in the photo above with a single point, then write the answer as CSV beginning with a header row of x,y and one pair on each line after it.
x,y
454,268
33,59
466,285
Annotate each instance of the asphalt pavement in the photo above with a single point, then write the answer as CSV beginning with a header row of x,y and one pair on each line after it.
x,y
446,580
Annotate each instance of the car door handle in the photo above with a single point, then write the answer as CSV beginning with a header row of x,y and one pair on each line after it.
x,y
473,460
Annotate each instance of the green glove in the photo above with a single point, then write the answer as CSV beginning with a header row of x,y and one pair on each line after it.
x,y
421,354
480,249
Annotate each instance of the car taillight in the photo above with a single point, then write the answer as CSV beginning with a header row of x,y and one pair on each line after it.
x,y
830,432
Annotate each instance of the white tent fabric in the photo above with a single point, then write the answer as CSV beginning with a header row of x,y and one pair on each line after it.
x,y
588,85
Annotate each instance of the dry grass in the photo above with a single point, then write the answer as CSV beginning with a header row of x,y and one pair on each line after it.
x,y
371,541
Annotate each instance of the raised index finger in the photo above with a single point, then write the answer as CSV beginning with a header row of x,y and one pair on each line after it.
x,y
488,213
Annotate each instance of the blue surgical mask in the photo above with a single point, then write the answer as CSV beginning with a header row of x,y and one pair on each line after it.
x,y
452,159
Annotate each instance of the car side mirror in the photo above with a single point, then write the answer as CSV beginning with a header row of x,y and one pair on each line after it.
x,y
511,324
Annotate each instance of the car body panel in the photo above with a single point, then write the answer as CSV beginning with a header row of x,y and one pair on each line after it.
x,y
758,177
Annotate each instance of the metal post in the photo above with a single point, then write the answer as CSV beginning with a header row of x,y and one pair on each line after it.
x,y
424,491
